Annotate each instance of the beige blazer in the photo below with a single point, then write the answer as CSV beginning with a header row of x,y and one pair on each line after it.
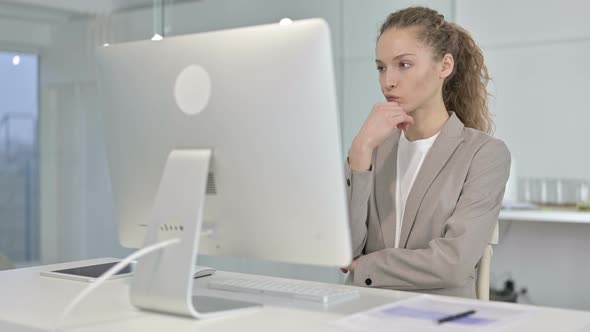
x,y
449,216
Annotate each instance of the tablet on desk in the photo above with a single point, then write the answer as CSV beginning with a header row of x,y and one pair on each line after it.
x,y
89,273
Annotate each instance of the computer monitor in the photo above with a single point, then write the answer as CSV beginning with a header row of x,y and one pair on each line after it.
x,y
263,100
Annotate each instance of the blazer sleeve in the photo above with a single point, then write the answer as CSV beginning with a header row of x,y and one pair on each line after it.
x,y
448,261
359,188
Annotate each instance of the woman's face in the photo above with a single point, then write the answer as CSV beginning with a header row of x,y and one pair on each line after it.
x,y
408,74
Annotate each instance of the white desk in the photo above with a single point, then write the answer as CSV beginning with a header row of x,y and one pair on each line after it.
x,y
30,302
552,216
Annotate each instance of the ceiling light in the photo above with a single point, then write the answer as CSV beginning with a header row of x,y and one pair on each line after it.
x,y
286,21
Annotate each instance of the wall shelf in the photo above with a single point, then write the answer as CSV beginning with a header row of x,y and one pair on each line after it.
x,y
560,216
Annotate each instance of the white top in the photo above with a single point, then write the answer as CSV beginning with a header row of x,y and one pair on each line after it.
x,y
410,156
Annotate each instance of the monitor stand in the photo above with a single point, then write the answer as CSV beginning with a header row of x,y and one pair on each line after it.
x,y
163,281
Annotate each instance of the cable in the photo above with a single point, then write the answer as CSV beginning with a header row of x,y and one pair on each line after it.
x,y
495,279
524,293
109,273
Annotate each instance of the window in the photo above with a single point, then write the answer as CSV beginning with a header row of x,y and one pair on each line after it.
x,y
19,105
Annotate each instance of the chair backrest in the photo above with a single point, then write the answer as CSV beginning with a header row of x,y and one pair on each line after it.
x,y
482,288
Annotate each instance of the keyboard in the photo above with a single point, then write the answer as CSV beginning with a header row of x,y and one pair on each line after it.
x,y
287,289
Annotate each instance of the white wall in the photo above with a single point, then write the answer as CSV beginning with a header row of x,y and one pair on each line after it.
x,y
537,58
549,259
19,33
537,54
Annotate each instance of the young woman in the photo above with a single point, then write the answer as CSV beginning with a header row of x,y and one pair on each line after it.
x,y
425,180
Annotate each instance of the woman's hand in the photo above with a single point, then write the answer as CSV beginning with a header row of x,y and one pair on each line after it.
x,y
384,117
350,267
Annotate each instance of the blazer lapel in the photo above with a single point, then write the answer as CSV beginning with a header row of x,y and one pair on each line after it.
x,y
440,152
385,187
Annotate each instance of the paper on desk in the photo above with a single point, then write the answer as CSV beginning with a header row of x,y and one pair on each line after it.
x,y
421,313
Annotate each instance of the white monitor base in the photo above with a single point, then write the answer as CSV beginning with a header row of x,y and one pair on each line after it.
x,y
163,281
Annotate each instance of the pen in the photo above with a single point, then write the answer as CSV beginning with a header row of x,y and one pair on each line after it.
x,y
455,316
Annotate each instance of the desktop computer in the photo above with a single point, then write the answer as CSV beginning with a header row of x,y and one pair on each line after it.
x,y
229,140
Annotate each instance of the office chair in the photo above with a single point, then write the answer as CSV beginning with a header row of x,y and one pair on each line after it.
x,y
482,286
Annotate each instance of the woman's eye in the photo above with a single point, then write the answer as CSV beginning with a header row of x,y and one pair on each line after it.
x,y
405,65
380,68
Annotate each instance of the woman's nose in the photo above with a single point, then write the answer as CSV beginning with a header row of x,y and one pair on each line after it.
x,y
390,79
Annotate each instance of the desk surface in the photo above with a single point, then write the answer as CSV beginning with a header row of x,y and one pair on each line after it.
x,y
30,302
551,216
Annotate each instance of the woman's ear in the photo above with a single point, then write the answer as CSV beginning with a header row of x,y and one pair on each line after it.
x,y
448,63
